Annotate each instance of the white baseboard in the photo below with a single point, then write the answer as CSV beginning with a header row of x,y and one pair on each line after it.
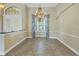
x,y
77,53
53,37
13,46
29,37
49,37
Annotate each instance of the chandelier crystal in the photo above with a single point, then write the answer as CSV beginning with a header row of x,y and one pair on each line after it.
x,y
39,13
2,5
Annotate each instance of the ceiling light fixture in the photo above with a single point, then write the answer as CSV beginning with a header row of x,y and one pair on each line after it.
x,y
2,5
39,13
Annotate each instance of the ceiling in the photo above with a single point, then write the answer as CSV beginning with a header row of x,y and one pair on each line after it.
x,y
42,4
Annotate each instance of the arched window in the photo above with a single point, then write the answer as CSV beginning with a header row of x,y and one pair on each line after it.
x,y
12,19
12,11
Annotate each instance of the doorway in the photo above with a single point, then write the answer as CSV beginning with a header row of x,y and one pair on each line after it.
x,y
40,28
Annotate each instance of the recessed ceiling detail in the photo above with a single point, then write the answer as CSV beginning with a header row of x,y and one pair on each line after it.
x,y
42,4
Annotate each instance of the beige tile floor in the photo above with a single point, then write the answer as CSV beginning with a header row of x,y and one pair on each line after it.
x,y
40,47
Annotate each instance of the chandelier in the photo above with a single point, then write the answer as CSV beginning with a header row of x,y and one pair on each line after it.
x,y
2,5
39,13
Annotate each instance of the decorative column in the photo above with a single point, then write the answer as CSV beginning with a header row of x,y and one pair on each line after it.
x,y
1,35
1,30
1,17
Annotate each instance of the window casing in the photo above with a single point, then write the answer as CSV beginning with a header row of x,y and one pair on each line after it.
x,y
12,19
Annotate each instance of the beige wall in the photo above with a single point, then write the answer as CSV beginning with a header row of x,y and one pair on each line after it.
x,y
48,10
68,21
